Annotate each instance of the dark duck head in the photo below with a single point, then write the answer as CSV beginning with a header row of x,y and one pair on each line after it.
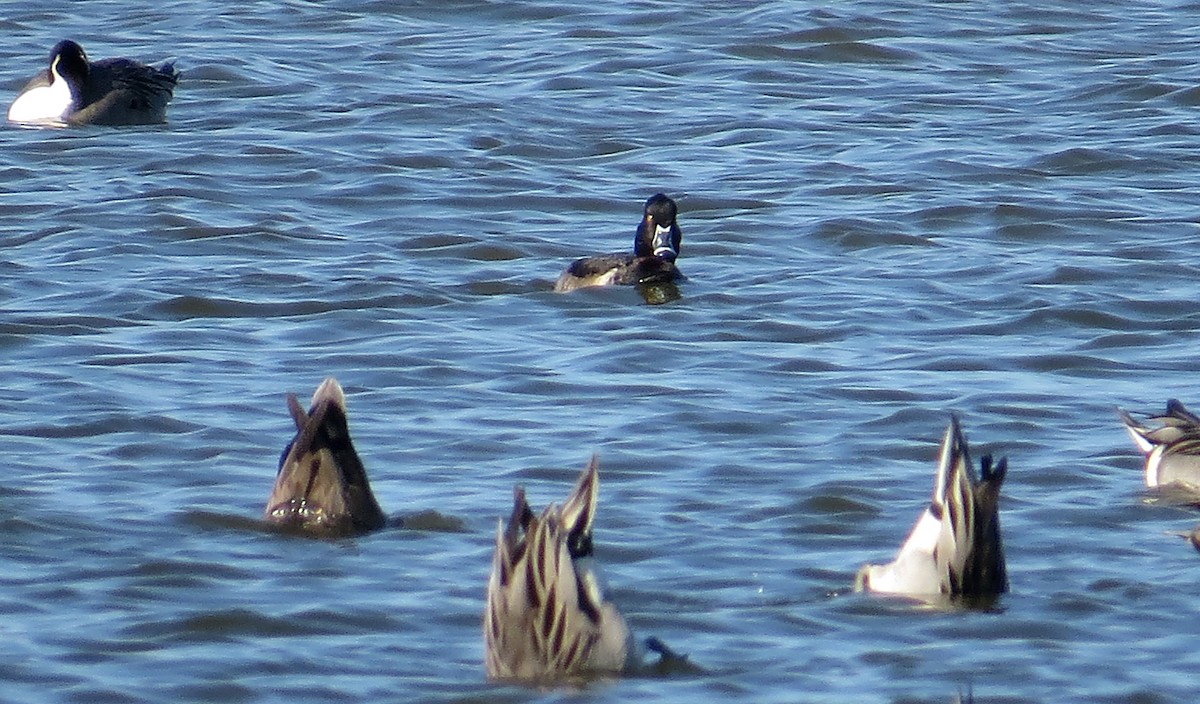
x,y
658,235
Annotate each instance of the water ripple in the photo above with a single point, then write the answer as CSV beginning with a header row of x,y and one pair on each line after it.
x,y
891,212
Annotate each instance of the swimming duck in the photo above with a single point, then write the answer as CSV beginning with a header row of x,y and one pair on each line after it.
x,y
75,91
655,248
954,549
547,617
1172,449
322,486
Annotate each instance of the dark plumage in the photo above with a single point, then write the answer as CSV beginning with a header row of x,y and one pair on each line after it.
x,y
655,248
73,90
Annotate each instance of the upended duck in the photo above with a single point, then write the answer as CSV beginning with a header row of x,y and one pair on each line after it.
x,y
547,617
322,486
954,549
1172,449
655,249
75,91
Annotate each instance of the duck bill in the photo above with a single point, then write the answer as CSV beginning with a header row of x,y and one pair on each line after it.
x,y
663,247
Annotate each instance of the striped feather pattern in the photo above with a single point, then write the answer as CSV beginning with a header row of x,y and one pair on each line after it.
x,y
955,548
546,617
1172,448
322,485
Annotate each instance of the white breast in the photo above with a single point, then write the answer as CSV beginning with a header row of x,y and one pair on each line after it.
x,y
46,103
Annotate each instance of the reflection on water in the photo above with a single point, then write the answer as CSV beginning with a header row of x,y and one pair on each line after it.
x,y
659,293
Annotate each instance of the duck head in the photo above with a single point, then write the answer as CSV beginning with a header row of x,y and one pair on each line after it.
x,y
69,62
658,235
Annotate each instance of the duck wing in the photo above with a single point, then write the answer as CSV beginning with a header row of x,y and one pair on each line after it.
x,y
125,92
1172,447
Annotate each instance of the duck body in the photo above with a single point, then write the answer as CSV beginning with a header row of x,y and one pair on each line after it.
x,y
1172,449
955,548
616,269
322,486
76,91
547,617
656,246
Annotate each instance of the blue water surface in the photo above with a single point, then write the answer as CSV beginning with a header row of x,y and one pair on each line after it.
x,y
892,212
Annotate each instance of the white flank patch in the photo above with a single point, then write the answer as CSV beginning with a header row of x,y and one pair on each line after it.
x,y
914,570
924,536
48,103
1152,463
1140,440
605,279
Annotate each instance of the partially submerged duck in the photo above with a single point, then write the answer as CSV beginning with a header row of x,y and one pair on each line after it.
x,y
322,486
75,91
547,617
1172,449
955,548
655,248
